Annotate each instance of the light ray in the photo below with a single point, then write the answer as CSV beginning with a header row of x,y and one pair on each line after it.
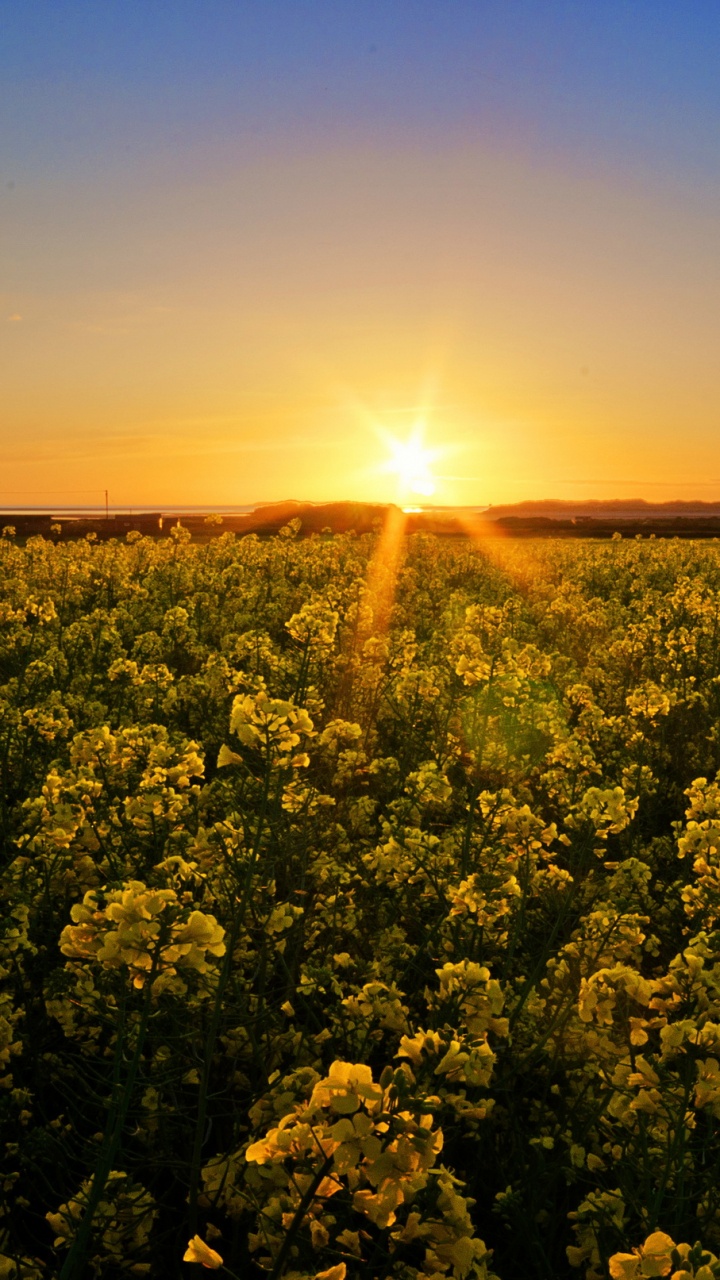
x,y
486,534
375,607
382,572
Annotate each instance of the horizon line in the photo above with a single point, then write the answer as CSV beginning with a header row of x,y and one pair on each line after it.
x,y
178,508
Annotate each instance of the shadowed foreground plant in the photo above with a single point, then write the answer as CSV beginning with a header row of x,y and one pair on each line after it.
x,y
350,1173
144,937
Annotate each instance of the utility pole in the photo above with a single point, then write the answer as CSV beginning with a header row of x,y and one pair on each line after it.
x,y
107,508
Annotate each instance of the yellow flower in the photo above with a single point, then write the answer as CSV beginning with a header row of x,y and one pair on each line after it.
x,y
623,1266
653,1258
199,1251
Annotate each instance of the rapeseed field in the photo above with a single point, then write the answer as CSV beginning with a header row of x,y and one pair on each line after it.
x,y
361,908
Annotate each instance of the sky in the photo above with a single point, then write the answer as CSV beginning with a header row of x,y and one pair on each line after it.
x,y
262,249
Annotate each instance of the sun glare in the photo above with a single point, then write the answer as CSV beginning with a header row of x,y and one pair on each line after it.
x,y
411,462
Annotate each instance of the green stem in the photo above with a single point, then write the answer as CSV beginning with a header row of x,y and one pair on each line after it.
x,y
74,1264
297,1221
223,979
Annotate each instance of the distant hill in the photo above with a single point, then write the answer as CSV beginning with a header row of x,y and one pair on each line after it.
x,y
600,509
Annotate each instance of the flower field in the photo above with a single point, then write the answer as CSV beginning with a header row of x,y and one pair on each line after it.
x,y
361,908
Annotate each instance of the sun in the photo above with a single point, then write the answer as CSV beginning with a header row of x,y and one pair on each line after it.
x,y
411,461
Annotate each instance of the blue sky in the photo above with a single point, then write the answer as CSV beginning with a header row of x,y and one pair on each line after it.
x,y
626,80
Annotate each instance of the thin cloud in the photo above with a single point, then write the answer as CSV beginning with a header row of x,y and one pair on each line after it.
x,y
82,449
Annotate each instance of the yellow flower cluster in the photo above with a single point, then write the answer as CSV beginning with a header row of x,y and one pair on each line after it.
x,y
273,726
660,1256
123,1221
353,1146
144,931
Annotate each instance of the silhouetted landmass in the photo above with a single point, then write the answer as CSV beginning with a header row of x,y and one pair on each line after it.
x,y
544,527
633,518
596,518
602,509
265,520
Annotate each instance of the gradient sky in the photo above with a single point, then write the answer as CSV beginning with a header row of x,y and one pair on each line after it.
x,y
242,239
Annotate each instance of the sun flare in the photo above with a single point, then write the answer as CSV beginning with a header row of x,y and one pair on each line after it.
x,y
411,462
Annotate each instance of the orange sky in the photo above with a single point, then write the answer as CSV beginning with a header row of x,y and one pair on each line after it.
x,y
230,323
